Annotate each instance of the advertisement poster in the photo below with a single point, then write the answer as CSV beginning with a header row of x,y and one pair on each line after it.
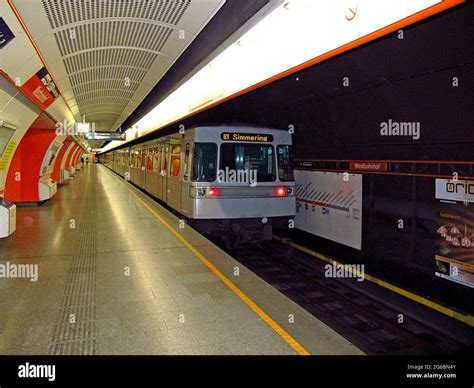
x,y
330,205
41,88
455,231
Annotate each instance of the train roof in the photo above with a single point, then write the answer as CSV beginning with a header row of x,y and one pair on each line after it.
x,y
212,132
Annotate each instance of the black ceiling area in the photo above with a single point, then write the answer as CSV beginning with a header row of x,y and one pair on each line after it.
x,y
403,80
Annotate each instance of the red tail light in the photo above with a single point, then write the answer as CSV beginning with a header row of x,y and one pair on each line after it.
x,y
212,192
280,191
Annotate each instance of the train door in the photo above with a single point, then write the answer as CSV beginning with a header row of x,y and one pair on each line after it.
x,y
133,165
123,169
143,152
122,162
174,175
126,169
186,203
161,151
151,180
118,161
164,151
138,166
156,170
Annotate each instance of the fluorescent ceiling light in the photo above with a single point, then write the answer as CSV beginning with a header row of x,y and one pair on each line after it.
x,y
294,33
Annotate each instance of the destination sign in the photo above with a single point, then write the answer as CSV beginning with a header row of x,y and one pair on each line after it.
x,y
248,137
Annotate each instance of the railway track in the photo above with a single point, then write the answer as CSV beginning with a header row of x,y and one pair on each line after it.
x,y
363,319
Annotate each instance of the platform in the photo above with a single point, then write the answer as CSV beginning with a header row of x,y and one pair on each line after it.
x,y
117,275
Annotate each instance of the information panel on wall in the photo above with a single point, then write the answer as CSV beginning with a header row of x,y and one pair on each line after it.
x,y
6,35
455,231
330,205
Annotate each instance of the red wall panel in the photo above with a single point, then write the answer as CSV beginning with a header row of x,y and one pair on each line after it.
x,y
24,172
56,175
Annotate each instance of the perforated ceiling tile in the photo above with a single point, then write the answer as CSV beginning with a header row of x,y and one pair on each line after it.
x,y
101,52
61,13
120,33
114,57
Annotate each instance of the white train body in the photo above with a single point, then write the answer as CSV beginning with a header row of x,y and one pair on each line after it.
x,y
238,176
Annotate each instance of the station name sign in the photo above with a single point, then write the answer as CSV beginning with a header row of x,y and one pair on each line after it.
x,y
368,166
248,137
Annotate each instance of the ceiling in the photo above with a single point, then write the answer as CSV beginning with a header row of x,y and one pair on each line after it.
x,y
107,55
406,80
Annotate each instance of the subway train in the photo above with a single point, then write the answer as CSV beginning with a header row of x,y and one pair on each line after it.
x,y
234,182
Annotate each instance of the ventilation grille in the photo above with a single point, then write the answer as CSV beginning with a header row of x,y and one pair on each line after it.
x,y
103,85
64,12
113,101
110,57
112,34
108,47
107,73
104,94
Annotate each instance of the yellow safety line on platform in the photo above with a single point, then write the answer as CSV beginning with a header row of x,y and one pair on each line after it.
x,y
262,314
465,318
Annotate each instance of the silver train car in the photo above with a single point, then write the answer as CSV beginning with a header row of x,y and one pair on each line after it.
x,y
231,181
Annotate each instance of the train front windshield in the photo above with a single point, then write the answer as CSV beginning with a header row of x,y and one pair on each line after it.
x,y
253,157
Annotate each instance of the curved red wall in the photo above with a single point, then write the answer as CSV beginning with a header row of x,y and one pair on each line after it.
x,y
24,172
56,175
76,158
70,157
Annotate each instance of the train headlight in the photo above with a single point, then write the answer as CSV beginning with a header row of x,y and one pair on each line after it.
x,y
290,191
280,191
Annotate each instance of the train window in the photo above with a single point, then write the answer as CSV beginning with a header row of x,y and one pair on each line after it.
x,y
175,161
156,161
204,162
167,154
253,157
149,160
285,163
163,160
186,162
